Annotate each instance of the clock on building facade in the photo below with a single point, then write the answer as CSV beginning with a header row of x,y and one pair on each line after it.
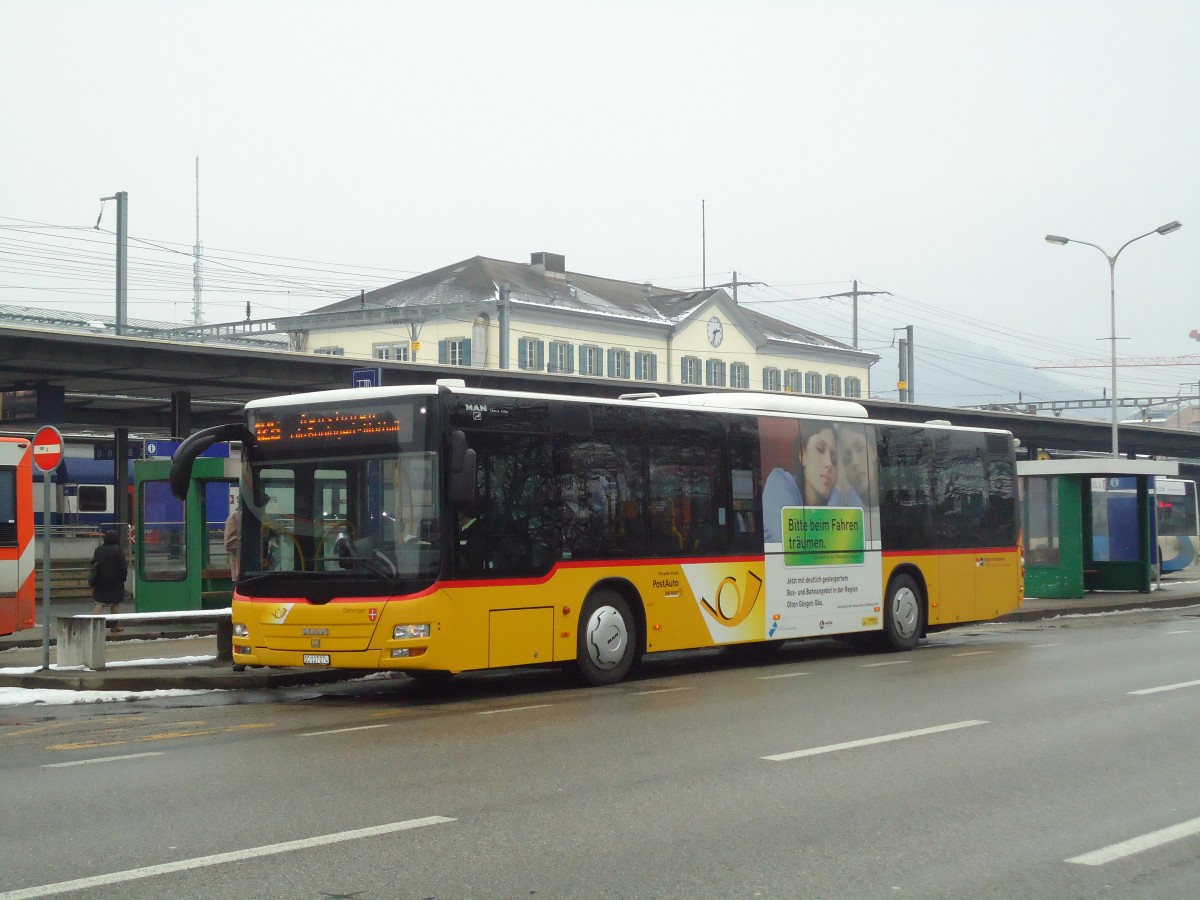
x,y
716,331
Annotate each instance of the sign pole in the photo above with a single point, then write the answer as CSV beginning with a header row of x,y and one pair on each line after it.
x,y
45,571
47,456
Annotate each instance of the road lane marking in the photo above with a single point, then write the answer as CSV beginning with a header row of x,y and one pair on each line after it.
x,y
891,662
1137,844
161,736
973,653
660,691
1043,646
508,709
344,730
1165,687
865,742
784,675
60,726
100,759
1184,631
200,862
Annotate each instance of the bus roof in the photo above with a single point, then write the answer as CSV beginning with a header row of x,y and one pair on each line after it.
x,y
752,401
747,402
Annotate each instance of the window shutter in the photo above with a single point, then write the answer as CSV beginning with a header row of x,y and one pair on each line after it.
x,y
570,358
466,347
541,355
443,351
654,367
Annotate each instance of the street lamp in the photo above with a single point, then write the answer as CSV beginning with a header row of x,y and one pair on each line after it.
x,y
1112,293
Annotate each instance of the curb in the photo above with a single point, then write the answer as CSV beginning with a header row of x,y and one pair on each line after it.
x,y
1092,607
198,677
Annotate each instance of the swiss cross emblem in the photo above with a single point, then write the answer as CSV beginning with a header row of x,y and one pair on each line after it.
x,y
372,615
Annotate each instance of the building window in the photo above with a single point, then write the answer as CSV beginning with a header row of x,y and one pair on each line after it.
x,y
714,372
853,386
771,380
739,375
591,360
833,385
562,357
531,354
791,381
812,382
400,351
331,351
645,366
454,352
618,363
689,370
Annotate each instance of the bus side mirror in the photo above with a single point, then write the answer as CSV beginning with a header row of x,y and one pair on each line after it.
x,y
193,446
462,470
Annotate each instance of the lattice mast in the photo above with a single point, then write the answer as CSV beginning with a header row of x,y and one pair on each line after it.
x,y
197,264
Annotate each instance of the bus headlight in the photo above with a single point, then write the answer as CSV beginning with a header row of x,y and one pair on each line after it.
x,y
240,630
408,632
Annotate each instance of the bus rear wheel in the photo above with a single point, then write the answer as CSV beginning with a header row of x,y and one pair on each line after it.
x,y
606,646
903,614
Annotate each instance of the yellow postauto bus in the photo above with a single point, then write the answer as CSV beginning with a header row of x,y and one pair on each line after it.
x,y
436,529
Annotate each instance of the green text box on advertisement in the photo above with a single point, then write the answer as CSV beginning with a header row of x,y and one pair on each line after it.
x,y
822,536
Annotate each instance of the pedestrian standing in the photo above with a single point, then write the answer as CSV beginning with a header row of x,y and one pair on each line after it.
x,y
107,575
233,540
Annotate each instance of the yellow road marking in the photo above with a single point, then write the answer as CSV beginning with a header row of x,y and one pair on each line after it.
x,y
59,726
160,736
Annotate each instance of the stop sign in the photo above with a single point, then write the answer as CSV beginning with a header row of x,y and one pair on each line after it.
x,y
47,448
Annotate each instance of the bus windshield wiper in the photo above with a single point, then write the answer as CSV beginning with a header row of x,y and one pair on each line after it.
x,y
366,553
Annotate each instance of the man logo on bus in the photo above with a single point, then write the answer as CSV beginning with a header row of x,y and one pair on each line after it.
x,y
730,606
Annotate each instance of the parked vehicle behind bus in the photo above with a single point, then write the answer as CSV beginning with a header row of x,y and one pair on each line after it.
x,y
1178,525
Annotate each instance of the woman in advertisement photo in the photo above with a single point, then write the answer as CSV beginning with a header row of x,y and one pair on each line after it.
x,y
812,480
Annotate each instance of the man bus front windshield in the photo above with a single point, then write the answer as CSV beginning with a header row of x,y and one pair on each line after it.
x,y
330,494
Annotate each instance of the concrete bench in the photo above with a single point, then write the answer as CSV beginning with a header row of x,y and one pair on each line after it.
x,y
80,639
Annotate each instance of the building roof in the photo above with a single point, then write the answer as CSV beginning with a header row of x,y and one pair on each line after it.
x,y
101,323
545,282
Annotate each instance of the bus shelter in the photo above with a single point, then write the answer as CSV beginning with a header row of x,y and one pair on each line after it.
x,y
181,560
1088,525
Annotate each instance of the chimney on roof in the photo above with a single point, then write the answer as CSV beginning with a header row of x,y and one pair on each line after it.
x,y
549,265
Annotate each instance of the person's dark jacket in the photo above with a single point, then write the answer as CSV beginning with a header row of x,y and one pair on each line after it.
x,y
111,570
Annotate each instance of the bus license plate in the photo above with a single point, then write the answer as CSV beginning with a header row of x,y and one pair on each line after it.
x,y
316,659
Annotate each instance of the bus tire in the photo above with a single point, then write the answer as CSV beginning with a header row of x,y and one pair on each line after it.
x,y
903,614
607,641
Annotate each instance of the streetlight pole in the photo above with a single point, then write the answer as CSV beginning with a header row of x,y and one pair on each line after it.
x,y
1112,300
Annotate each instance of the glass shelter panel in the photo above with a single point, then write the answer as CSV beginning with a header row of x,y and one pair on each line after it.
x,y
164,534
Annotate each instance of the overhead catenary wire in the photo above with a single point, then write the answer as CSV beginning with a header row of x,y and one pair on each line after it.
x,y
39,260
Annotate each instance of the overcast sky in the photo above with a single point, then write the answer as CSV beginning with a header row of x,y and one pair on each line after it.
x,y
923,148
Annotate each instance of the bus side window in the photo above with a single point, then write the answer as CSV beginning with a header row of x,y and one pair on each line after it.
x,y
688,488
745,512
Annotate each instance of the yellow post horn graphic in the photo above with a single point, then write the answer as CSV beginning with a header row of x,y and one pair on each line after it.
x,y
745,602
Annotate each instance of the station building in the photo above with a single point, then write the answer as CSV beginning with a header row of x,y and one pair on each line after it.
x,y
539,317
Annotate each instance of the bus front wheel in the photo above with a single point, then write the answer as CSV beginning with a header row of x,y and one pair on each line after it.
x,y
607,640
903,614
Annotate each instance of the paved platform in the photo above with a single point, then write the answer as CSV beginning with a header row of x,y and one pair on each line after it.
x,y
148,658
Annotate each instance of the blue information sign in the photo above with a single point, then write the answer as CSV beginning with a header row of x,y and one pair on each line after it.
x,y
366,378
